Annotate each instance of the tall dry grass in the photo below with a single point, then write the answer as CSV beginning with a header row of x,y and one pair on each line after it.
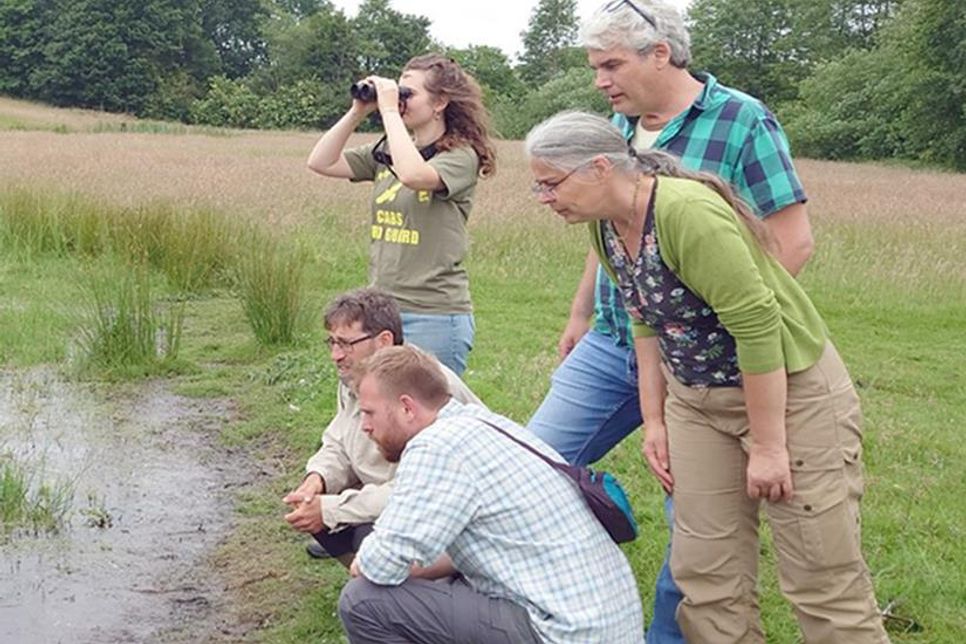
x,y
915,218
40,116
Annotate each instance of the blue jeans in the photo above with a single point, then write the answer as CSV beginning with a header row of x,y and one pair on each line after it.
x,y
592,405
448,336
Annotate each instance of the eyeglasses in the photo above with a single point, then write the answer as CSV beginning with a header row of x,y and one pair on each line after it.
x,y
616,4
540,188
346,345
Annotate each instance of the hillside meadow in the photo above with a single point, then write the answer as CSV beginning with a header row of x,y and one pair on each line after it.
x,y
888,274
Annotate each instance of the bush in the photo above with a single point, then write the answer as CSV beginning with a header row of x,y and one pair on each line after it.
x,y
228,103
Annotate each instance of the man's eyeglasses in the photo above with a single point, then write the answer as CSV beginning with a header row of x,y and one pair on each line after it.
x,y
540,188
346,345
616,4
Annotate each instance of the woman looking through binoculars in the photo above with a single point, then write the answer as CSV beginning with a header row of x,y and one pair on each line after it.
x,y
424,172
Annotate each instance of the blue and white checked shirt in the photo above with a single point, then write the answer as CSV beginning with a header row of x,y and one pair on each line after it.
x,y
515,528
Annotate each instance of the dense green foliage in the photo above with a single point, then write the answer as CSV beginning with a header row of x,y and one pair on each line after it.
x,y
850,79
767,47
905,97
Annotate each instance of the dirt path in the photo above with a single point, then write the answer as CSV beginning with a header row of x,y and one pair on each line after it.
x,y
146,466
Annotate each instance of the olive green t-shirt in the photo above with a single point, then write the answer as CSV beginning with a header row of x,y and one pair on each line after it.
x,y
418,237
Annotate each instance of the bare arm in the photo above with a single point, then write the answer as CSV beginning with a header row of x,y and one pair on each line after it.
x,y
769,475
326,157
411,169
581,308
653,391
792,233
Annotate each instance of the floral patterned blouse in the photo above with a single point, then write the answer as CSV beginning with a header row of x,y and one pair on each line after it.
x,y
693,343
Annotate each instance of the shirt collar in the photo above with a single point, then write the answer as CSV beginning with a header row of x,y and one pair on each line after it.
x,y
452,408
709,97
709,94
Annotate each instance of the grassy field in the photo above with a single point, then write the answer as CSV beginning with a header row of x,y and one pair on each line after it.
x,y
889,275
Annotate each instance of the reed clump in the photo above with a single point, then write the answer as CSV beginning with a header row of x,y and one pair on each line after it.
x,y
123,327
269,282
41,507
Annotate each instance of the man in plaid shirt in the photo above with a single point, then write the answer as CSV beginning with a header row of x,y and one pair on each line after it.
x,y
640,50
516,554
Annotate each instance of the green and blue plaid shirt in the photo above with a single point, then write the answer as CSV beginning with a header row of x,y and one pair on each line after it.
x,y
727,133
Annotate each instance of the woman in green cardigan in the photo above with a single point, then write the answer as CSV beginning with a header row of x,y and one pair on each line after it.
x,y
745,400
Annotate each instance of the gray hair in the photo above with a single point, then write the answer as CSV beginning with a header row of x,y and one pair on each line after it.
x,y
616,24
569,140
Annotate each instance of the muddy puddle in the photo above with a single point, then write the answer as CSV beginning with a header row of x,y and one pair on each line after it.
x,y
150,500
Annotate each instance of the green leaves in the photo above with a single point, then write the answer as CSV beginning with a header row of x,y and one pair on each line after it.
x,y
903,98
550,35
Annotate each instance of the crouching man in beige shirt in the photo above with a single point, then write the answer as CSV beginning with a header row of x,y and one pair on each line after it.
x,y
348,480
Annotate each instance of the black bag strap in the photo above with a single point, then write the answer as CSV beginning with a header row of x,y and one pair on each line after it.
x,y
560,467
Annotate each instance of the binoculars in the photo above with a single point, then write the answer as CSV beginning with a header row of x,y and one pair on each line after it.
x,y
366,92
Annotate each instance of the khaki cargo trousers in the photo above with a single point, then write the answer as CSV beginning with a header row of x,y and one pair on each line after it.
x,y
714,550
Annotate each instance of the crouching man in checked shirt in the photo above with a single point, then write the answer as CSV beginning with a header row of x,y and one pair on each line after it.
x,y
516,554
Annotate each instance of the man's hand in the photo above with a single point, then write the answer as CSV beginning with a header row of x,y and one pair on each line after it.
x,y
769,474
307,515
354,567
311,486
576,329
654,449
443,567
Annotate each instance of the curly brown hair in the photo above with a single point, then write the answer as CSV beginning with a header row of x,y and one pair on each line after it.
x,y
467,121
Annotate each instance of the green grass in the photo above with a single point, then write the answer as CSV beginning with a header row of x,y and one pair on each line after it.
x,y
28,503
269,278
171,128
893,296
124,330
197,250
24,125
157,127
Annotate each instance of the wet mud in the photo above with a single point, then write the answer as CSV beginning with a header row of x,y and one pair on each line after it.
x,y
152,493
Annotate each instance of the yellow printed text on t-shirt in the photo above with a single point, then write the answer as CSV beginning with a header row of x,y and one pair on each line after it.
x,y
389,217
394,235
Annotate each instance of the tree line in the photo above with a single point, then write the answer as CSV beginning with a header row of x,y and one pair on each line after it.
x,y
849,79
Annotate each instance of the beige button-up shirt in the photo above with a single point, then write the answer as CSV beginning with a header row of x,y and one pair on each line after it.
x,y
357,477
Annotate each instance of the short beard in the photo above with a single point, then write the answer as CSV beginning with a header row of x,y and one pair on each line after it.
x,y
393,456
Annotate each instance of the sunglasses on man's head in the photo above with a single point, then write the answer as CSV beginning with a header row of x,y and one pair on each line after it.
x,y
617,4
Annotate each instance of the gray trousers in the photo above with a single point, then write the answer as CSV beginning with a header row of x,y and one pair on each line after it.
x,y
420,611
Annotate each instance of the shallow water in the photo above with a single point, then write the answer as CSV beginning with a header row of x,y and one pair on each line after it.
x,y
148,461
